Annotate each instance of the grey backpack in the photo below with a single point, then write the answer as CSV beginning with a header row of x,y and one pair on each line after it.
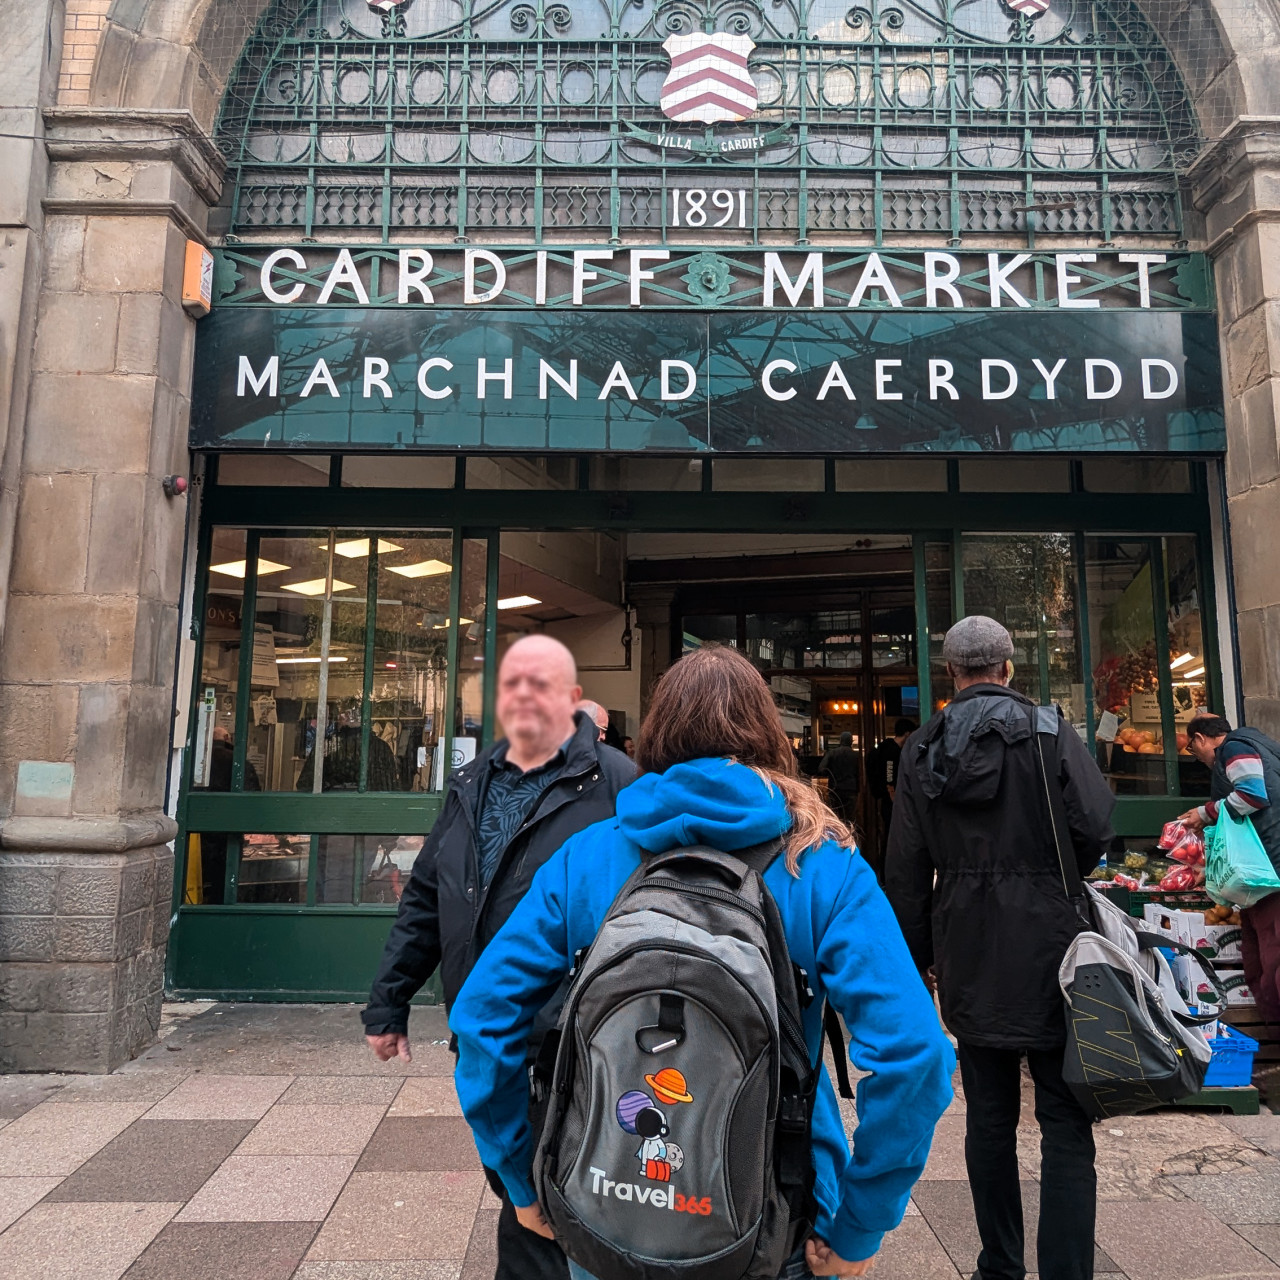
x,y
676,1139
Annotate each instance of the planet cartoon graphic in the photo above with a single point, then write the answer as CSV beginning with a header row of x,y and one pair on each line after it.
x,y
675,1157
669,1086
629,1106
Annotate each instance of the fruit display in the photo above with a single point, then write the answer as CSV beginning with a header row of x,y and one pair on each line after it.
x,y
1222,915
1141,742
1117,679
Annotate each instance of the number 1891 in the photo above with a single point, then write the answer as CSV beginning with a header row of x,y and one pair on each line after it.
x,y
689,207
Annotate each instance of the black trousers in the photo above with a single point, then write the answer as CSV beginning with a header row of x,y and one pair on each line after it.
x,y
522,1254
1068,1183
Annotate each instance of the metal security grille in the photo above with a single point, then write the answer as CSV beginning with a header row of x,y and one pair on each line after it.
x,y
472,120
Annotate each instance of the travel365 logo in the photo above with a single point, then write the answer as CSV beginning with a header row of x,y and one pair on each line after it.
x,y
640,1116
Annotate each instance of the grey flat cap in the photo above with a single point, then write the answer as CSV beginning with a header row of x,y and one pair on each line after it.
x,y
976,642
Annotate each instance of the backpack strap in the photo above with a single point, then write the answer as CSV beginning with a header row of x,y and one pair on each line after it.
x,y
1044,729
839,1051
1157,941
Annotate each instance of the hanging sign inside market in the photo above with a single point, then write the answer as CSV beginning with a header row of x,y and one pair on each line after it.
x,y
815,381
675,275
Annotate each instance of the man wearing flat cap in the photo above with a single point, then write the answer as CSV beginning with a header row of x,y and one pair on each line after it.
x,y
973,874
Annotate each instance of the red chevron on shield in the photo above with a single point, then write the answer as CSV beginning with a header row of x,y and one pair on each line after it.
x,y
708,81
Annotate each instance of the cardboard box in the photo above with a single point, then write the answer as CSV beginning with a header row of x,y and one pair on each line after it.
x,y
1225,939
1238,992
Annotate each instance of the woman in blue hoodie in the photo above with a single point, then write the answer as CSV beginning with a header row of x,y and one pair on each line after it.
x,y
720,772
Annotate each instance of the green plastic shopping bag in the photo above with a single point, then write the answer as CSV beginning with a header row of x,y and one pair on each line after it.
x,y
1237,871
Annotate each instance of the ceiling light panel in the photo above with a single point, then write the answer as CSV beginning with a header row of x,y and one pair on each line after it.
x,y
315,587
236,568
423,569
518,602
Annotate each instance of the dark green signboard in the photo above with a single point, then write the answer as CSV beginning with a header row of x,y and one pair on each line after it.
x,y
819,381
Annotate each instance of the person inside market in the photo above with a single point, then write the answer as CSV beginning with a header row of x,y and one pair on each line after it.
x,y
629,746
213,845
974,877
1245,775
719,771
843,770
882,773
504,815
342,759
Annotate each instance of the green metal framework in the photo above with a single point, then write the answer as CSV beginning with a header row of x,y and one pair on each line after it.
x,y
539,118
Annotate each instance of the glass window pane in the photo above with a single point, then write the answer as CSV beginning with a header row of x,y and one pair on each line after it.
x,y
1014,475
410,661
1188,657
553,471
398,471
891,475
768,475
709,628
831,639
1122,649
219,669
1028,584
1136,475
937,574
301,620
469,709
387,862
893,637
279,470
273,868
656,475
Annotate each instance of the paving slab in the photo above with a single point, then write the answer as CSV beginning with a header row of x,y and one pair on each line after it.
x,y
947,1207
913,1252
311,1130
79,1241
270,1189
427,1096
1245,1195
18,1094
1154,1241
154,1160
420,1144
398,1216
1263,1130
221,1097
418,1269
17,1195
142,1090
1264,1236
340,1091
481,1261
224,1251
53,1141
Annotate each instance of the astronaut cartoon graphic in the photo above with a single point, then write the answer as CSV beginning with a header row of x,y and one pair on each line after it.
x,y
639,1114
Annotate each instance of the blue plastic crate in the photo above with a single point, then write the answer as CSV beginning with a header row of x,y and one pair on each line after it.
x,y
1232,1063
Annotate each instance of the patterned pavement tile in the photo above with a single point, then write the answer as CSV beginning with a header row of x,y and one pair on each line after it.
x,y
79,1241
17,1195
310,1130
913,1252
419,1144
1154,1240
948,1209
221,1097
270,1189
154,1160
224,1251
1245,1195
1264,1236
482,1250
393,1216
145,1090
18,1094
426,1096
339,1091
52,1140
418,1269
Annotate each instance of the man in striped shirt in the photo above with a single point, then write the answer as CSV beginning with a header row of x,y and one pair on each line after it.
x,y
1245,767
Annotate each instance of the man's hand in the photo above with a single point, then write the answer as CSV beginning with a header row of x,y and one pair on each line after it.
x,y
531,1219
1193,819
930,978
823,1260
390,1045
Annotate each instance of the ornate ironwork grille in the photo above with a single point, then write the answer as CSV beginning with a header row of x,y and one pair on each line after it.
x,y
540,120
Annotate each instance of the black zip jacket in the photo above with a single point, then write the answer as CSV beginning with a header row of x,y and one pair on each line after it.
x,y
972,871
444,918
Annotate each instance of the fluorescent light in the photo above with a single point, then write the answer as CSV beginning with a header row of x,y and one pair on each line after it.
x,y
236,568
518,602
290,662
1177,662
423,569
354,548
444,626
1199,671
315,587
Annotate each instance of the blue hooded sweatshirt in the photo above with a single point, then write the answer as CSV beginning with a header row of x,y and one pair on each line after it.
x,y
839,928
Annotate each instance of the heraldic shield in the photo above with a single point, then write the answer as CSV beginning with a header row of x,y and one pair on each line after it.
x,y
708,81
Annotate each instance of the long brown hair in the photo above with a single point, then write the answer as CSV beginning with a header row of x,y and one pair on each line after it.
x,y
713,702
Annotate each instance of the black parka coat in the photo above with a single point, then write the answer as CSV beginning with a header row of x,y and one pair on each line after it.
x,y
971,868
445,918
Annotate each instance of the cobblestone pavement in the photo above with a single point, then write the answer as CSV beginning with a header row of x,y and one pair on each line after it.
x,y
264,1142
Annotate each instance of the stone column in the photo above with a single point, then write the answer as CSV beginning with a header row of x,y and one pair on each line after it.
x,y
87,665
1236,186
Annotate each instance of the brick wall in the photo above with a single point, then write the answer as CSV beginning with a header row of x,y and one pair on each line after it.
x,y
85,20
